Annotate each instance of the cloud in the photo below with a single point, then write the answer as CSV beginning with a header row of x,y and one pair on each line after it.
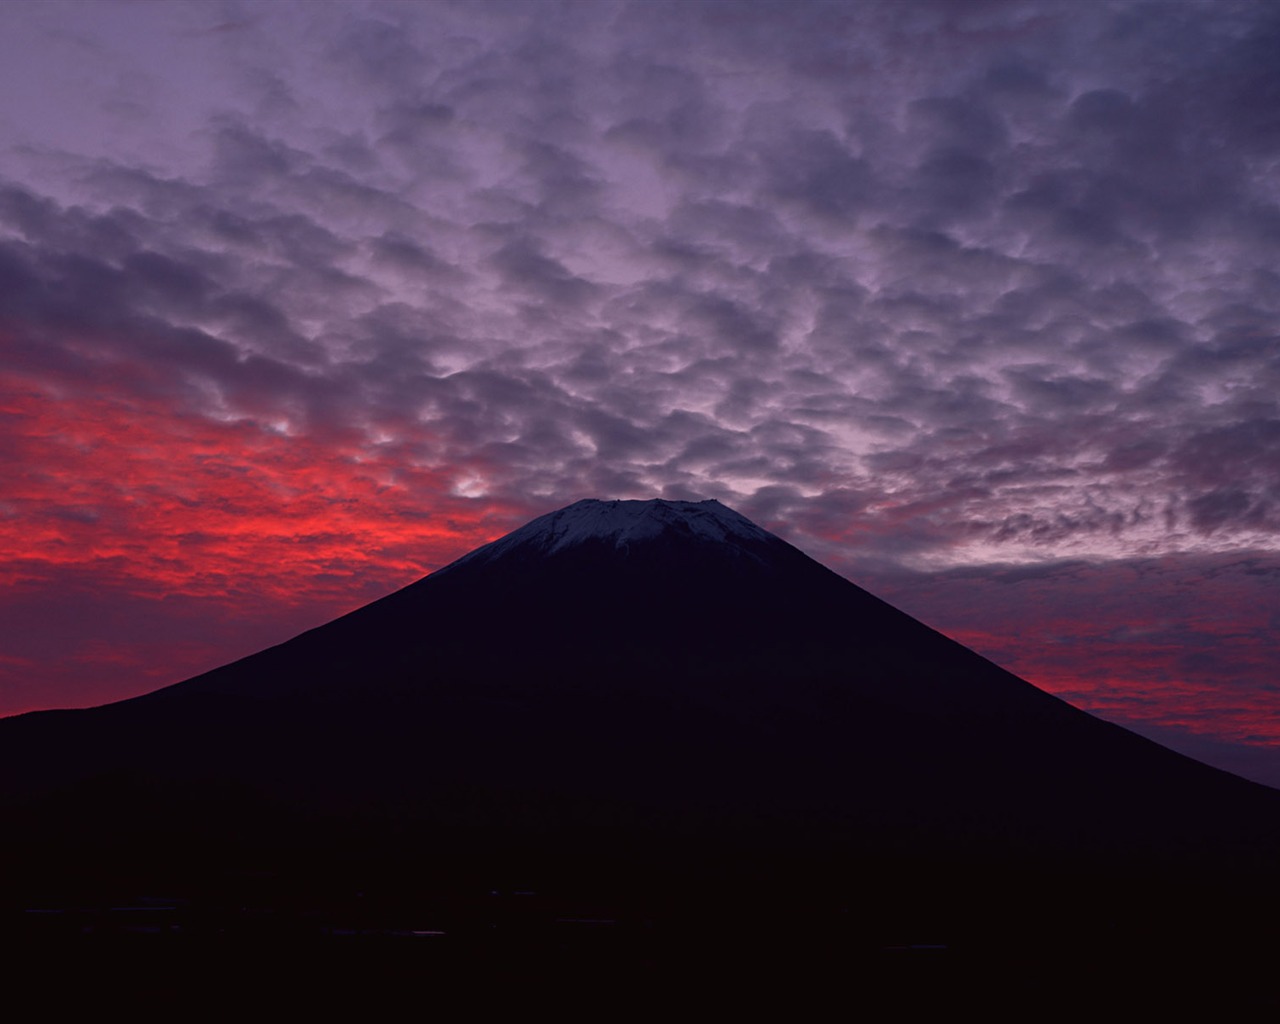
x,y
949,275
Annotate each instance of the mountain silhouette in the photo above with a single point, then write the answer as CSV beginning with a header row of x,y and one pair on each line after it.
x,y
657,705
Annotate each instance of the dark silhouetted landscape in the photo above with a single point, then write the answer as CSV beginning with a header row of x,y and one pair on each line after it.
x,y
628,743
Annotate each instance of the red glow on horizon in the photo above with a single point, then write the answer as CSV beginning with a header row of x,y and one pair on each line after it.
x,y
142,544
1182,650
1141,687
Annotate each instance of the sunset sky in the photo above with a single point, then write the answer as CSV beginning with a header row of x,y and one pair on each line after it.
x,y
976,302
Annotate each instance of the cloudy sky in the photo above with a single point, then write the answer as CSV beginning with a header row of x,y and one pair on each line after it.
x,y
976,302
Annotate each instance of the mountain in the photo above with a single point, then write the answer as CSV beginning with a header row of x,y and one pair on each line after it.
x,y
653,705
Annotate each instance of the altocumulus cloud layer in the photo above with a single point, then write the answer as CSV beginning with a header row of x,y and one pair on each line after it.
x,y
977,302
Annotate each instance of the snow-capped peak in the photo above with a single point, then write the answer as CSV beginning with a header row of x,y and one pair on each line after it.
x,y
624,523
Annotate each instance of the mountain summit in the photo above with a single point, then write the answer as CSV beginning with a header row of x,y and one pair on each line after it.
x,y
631,695
623,523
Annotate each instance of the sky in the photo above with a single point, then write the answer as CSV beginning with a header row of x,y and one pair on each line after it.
x,y
976,302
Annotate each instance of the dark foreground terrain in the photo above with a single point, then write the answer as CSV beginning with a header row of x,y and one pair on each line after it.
x,y
907,940
191,962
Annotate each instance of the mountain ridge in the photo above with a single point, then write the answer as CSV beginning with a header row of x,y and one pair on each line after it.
x,y
657,716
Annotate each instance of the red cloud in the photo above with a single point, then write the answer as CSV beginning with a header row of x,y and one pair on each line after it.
x,y
206,508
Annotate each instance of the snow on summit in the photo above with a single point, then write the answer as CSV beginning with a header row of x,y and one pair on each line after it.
x,y
623,523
